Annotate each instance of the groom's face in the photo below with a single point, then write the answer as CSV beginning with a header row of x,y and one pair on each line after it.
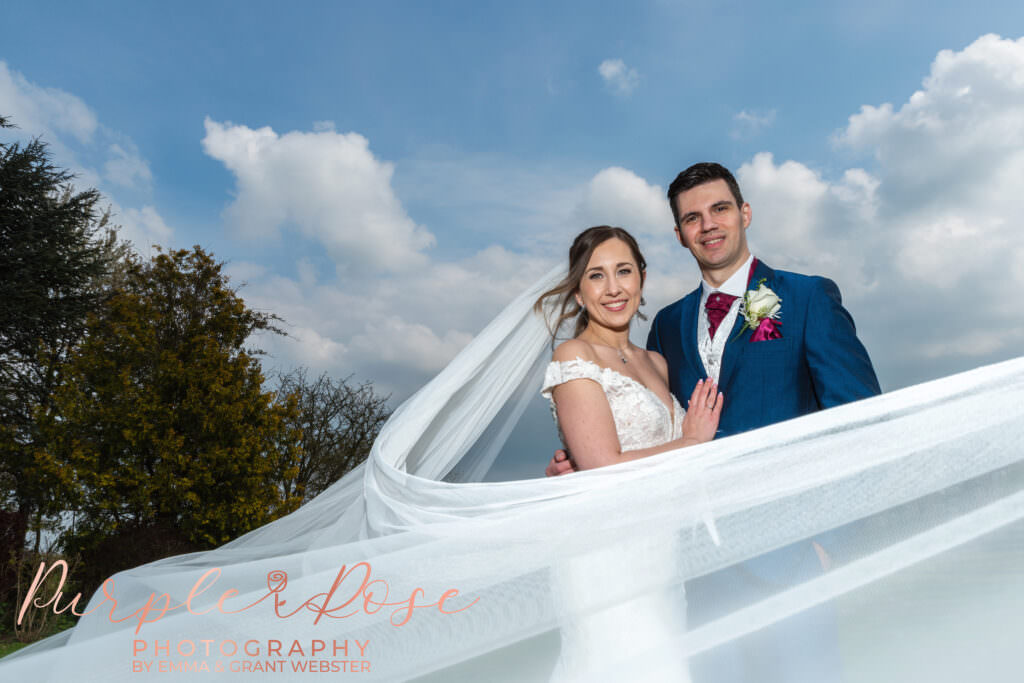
x,y
714,228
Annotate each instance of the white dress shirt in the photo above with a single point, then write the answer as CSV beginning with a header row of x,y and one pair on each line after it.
x,y
711,350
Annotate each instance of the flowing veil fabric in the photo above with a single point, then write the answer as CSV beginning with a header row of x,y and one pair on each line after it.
x,y
918,495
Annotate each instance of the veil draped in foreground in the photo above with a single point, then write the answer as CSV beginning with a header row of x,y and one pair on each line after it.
x,y
918,495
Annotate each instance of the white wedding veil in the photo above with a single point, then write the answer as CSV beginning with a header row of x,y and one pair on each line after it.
x,y
916,495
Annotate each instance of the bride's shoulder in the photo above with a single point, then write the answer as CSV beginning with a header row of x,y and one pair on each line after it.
x,y
572,349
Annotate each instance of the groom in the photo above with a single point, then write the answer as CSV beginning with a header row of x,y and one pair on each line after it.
x,y
777,363
807,359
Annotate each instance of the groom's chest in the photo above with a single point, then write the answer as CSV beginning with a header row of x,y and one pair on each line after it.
x,y
736,359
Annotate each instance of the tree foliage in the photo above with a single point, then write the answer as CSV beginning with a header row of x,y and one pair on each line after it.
x,y
55,253
50,256
338,421
166,440
128,396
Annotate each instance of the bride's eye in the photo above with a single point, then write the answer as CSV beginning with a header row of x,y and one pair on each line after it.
x,y
595,276
625,271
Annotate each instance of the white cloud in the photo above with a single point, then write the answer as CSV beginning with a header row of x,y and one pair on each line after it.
x,y
617,196
315,349
747,124
961,134
809,224
396,329
329,186
400,326
621,79
926,240
46,112
79,143
925,251
396,341
954,152
126,167
142,227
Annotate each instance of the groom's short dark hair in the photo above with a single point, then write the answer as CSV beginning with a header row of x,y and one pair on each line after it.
x,y
698,174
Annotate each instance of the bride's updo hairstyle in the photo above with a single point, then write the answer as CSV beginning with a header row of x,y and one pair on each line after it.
x,y
579,256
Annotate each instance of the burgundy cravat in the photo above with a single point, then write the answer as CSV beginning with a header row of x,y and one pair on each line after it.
x,y
718,305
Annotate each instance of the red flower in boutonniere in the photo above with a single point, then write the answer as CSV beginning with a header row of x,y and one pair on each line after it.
x,y
760,310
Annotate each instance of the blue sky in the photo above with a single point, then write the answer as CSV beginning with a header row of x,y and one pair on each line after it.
x,y
387,175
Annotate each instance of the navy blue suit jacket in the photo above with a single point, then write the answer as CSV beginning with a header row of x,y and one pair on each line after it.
x,y
818,363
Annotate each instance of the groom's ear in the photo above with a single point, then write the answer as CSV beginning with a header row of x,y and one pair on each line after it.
x,y
679,235
747,214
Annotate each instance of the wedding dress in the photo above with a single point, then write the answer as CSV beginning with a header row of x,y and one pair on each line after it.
x,y
602,630
924,487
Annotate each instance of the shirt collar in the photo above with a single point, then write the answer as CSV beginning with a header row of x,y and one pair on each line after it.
x,y
735,285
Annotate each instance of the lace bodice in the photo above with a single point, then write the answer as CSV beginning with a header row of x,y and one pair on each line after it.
x,y
641,418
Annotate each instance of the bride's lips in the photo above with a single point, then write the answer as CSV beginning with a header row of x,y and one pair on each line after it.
x,y
615,306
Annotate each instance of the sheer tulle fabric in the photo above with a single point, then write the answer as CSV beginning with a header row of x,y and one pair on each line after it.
x,y
916,494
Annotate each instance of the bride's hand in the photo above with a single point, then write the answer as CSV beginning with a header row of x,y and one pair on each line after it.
x,y
702,412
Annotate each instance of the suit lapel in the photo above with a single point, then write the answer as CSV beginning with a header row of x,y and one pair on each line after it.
x,y
688,331
736,346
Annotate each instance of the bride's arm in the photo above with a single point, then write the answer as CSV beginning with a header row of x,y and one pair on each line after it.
x,y
589,428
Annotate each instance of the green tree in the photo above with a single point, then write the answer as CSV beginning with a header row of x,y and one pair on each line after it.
x,y
55,253
171,441
338,422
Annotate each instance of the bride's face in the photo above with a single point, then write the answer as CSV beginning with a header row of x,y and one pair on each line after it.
x,y
612,285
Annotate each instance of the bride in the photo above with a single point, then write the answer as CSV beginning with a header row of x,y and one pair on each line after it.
x,y
626,411
612,403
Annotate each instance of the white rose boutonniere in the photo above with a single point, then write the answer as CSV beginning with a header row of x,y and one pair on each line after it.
x,y
760,310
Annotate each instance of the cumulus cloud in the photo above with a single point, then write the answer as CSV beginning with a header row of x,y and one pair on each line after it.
x,y
621,79
918,233
46,112
400,326
98,157
960,135
925,238
747,124
327,185
809,223
397,329
617,196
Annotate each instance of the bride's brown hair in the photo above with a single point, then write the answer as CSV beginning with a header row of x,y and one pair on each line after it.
x,y
579,256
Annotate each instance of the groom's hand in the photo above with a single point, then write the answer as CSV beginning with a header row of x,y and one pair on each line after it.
x,y
560,464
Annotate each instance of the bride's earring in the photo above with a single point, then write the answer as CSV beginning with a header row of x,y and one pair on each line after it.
x,y
639,313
